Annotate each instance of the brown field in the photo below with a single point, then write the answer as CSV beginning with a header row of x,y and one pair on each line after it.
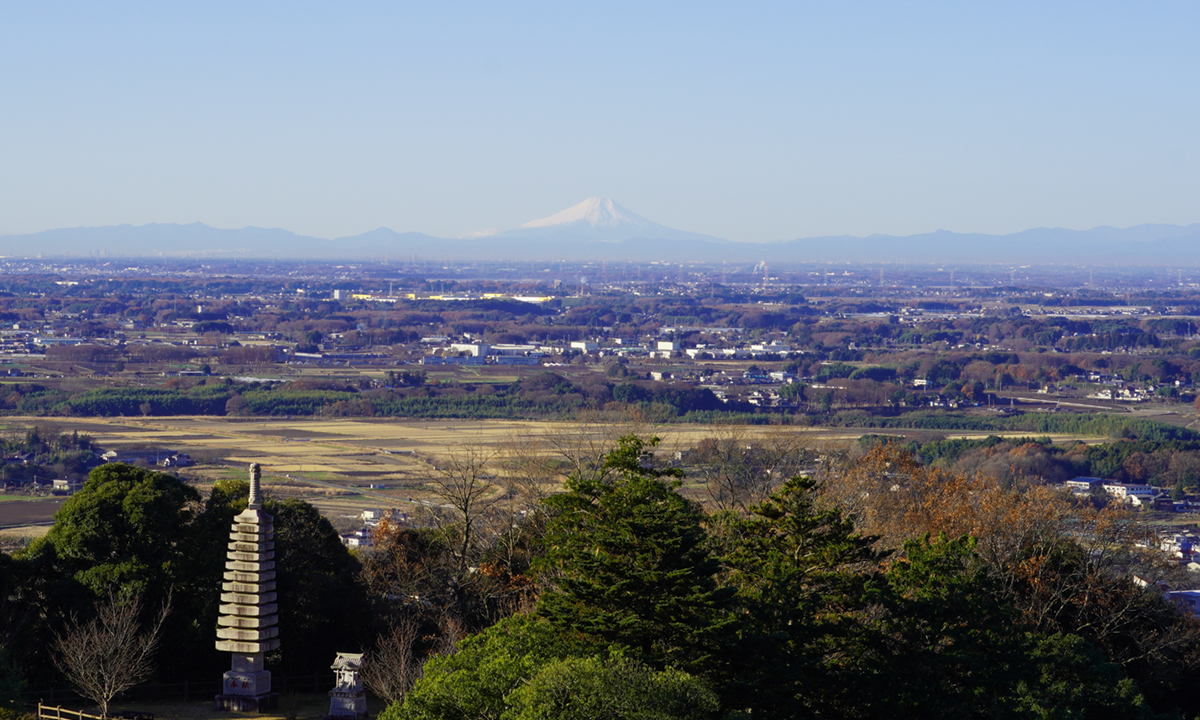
x,y
331,463
17,513
15,538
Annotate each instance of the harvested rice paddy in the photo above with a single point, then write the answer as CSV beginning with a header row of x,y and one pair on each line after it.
x,y
347,465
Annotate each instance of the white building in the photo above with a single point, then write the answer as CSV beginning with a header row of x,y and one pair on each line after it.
x,y
1186,600
773,348
357,539
472,349
514,350
1083,485
1129,491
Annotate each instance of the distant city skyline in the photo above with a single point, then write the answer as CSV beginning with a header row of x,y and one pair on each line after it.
x,y
756,122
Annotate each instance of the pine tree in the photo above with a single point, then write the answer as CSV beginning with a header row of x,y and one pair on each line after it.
x,y
803,576
630,562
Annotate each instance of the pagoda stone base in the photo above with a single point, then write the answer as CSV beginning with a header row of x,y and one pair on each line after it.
x,y
246,703
238,682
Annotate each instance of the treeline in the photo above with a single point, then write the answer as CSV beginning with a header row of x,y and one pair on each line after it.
x,y
543,395
1097,425
539,395
41,455
951,372
1166,462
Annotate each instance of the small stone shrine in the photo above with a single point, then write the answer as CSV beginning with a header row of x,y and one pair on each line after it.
x,y
347,699
247,627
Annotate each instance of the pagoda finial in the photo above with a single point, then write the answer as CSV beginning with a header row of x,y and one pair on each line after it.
x,y
255,498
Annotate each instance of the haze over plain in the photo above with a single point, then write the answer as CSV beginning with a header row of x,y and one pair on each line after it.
x,y
759,123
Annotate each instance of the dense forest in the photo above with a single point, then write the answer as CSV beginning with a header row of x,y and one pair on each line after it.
x,y
886,582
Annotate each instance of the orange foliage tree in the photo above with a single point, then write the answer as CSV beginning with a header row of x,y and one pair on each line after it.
x,y
1066,564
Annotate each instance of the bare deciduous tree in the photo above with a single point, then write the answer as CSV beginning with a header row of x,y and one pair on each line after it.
x,y
723,461
395,664
112,652
450,631
579,447
529,474
391,669
462,483
529,470
741,469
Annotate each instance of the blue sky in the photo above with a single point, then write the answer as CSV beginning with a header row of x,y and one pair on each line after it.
x,y
750,121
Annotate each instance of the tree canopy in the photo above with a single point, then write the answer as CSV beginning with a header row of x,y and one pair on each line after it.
x,y
630,562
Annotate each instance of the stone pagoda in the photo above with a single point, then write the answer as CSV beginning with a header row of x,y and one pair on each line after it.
x,y
248,624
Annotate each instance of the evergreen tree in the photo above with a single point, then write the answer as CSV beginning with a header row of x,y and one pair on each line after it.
x,y
128,530
321,605
630,562
610,688
12,679
475,681
953,648
1069,677
124,528
803,576
523,668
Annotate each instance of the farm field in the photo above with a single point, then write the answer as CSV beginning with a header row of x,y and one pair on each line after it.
x,y
20,512
328,443
334,462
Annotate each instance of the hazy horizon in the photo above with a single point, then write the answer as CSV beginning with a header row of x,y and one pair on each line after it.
x,y
495,232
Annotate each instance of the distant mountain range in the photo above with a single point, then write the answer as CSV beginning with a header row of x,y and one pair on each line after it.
x,y
599,228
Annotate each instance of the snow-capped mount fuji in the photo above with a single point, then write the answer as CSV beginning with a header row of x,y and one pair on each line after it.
x,y
599,219
595,212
